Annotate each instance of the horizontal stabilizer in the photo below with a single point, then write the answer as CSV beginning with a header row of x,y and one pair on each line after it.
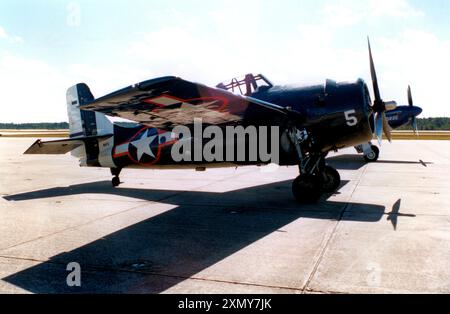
x,y
59,147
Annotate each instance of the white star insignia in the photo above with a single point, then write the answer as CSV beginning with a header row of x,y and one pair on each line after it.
x,y
143,145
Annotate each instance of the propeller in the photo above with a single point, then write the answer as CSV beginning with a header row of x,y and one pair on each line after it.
x,y
379,106
414,119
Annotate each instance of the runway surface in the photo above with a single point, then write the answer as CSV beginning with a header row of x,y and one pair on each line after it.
x,y
386,230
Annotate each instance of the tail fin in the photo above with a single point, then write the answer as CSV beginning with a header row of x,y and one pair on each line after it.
x,y
82,122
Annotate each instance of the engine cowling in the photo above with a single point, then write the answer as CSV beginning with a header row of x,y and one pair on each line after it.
x,y
342,117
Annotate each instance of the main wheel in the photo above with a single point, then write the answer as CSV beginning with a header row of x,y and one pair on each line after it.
x,y
331,179
307,188
115,181
372,156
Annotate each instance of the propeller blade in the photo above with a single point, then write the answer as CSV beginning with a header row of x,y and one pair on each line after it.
x,y
386,128
379,127
410,99
415,127
379,107
373,73
414,119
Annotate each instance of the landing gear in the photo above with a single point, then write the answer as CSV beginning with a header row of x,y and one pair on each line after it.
x,y
370,151
116,180
316,178
373,155
331,179
307,188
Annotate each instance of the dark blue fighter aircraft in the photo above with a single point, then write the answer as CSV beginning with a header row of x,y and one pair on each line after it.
x,y
403,115
396,117
312,121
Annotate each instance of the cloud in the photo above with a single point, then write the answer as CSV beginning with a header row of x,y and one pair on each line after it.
x,y
35,91
418,58
235,22
408,56
3,34
211,46
346,13
393,8
32,91
310,57
208,51
343,13
177,51
11,38
105,79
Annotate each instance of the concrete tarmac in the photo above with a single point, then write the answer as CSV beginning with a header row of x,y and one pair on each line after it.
x,y
387,229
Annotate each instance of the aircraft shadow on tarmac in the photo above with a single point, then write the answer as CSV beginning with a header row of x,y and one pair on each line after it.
x,y
355,162
162,251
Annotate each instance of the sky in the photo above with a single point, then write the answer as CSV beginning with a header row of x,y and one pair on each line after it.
x,y
46,46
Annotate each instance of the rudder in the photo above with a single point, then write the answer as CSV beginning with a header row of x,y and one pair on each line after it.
x,y
83,122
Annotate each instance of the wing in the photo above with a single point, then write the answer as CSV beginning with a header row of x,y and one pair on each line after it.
x,y
169,101
59,147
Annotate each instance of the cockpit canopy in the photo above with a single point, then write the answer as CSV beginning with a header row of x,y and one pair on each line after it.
x,y
246,85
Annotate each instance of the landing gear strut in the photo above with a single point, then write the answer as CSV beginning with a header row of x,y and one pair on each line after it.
x,y
116,180
316,178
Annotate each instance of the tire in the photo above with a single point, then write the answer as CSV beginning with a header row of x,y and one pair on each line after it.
x,y
331,179
373,157
307,188
115,181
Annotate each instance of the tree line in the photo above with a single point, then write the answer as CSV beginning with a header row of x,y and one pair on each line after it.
x,y
430,124
35,126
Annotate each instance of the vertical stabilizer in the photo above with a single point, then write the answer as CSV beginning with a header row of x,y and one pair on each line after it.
x,y
82,122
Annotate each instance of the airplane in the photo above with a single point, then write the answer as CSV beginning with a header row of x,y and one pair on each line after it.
x,y
397,117
312,121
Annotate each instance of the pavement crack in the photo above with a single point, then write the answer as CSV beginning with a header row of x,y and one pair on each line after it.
x,y
148,273
330,237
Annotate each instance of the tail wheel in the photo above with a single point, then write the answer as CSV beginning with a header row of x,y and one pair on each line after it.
x,y
115,181
374,155
307,188
331,179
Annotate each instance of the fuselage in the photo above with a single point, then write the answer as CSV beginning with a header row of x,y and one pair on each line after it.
x,y
337,115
